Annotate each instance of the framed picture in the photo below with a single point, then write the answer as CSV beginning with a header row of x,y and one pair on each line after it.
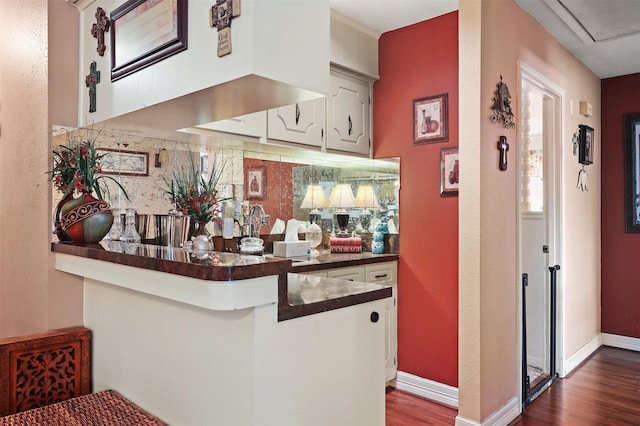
x,y
585,144
632,172
144,32
430,119
256,182
123,163
449,172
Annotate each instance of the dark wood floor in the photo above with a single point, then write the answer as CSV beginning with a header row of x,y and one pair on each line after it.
x,y
605,390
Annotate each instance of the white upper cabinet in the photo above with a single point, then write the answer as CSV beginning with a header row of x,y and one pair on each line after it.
x,y
302,123
249,125
348,114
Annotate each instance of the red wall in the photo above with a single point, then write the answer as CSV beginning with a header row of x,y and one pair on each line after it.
x,y
279,199
414,62
620,250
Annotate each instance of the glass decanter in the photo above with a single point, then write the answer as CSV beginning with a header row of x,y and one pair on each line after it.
x,y
116,228
130,235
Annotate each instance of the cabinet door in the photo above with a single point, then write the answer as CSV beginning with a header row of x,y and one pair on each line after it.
x,y
250,125
391,337
387,273
301,123
355,273
348,114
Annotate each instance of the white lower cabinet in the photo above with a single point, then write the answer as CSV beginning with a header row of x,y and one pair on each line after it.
x,y
355,273
381,273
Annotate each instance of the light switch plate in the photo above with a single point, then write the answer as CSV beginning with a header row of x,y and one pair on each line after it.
x,y
586,109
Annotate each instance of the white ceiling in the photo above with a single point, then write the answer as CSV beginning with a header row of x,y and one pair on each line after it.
x,y
603,34
387,15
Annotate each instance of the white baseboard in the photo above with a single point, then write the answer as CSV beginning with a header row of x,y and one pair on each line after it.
x,y
502,417
461,421
438,392
534,361
622,342
581,354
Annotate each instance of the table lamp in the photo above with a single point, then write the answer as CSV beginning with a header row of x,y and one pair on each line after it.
x,y
366,199
314,199
341,198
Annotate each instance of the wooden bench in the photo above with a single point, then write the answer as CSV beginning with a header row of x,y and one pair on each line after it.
x,y
106,408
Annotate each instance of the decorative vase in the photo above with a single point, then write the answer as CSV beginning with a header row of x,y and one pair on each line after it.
x,y
57,219
86,219
198,227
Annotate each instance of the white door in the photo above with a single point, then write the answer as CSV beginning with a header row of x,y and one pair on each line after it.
x,y
539,218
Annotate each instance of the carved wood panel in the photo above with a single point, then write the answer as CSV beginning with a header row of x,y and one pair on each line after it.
x,y
43,369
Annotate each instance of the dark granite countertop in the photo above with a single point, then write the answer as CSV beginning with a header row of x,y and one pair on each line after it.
x,y
218,266
211,266
328,260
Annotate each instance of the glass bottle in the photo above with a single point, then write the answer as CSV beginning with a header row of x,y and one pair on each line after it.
x,y
116,228
130,235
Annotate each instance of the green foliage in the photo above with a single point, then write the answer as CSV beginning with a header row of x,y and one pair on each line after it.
x,y
77,168
195,195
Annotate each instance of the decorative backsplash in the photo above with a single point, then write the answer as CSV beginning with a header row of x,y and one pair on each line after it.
x,y
284,177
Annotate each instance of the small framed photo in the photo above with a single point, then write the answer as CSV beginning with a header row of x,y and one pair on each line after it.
x,y
430,119
449,172
256,183
123,163
586,142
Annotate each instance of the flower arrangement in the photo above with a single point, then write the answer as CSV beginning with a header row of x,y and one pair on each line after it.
x,y
194,194
77,168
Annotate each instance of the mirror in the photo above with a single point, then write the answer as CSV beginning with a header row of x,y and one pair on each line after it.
x,y
277,178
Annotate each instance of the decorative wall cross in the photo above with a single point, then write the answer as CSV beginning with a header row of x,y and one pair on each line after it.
x,y
502,106
222,13
99,28
91,81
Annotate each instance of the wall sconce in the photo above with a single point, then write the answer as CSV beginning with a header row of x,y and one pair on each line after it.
x,y
342,199
366,199
161,157
314,199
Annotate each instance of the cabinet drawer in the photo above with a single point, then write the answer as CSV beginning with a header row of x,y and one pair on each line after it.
x,y
355,273
382,273
316,273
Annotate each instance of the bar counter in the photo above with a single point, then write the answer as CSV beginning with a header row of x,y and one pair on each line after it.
x,y
227,267
223,338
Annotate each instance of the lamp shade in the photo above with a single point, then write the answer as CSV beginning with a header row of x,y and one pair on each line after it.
x,y
314,198
342,197
366,198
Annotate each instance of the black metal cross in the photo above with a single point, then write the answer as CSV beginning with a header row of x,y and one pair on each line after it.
x,y
91,81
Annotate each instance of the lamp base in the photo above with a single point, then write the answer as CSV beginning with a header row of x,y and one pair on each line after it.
x,y
343,221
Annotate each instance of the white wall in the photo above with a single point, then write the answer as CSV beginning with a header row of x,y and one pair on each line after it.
x,y
500,33
264,70
33,296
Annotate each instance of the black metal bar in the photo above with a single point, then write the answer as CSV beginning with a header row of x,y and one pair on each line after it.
x,y
525,371
528,393
553,271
